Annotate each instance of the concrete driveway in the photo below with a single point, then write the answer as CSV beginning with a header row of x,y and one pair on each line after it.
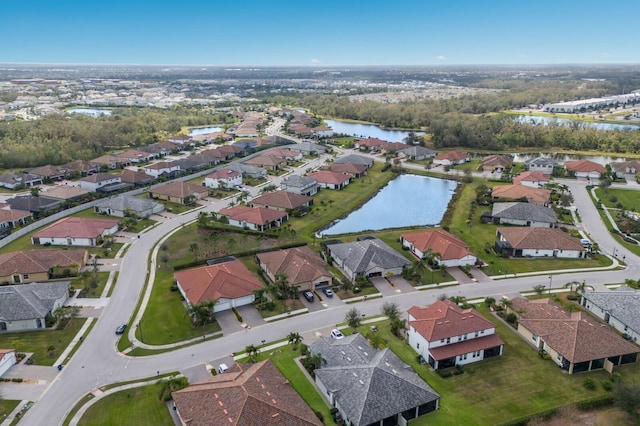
x,y
250,315
399,283
314,306
384,286
36,379
228,322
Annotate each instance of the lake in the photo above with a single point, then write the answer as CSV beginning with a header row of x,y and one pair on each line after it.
x,y
91,112
368,131
204,130
534,119
408,200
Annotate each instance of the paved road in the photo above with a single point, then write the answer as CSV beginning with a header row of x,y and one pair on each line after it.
x,y
98,363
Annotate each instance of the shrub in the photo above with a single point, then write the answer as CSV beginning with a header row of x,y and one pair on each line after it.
x,y
319,415
607,386
600,401
16,379
511,318
444,373
172,385
588,383
237,314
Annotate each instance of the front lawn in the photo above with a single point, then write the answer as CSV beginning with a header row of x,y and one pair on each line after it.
x,y
626,199
84,284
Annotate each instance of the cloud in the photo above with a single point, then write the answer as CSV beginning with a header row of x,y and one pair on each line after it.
x,y
315,61
441,58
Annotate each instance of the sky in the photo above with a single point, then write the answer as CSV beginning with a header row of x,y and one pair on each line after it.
x,y
319,33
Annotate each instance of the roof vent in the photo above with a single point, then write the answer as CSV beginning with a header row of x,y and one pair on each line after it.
x,y
361,382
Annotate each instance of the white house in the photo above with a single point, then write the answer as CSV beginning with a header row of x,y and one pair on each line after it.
x,y
617,308
446,335
161,168
98,180
523,214
225,178
7,360
26,306
76,231
538,242
448,250
540,164
121,205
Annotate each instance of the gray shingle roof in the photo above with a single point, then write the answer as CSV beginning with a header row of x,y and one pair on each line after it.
x,y
30,301
355,159
124,202
368,384
417,150
296,181
524,211
361,256
246,168
623,304
540,161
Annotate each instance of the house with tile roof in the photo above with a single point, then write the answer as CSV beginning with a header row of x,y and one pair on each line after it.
x,y
229,283
126,205
225,178
135,178
66,193
80,168
287,154
573,340
161,168
27,266
283,201
246,394
369,386
445,335
540,164
15,180
533,179
449,249
351,169
538,242
538,196
269,162
26,306
585,168
329,179
354,159
629,169
179,192
368,257
308,148
523,214
248,170
98,181
48,173
76,231
617,308
370,144
109,161
303,185
13,218
496,162
256,218
302,266
451,158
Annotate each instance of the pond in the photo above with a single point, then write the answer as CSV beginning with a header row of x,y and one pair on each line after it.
x,y
534,119
91,112
368,131
408,200
204,130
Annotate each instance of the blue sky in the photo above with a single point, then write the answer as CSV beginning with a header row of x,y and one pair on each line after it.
x,y
327,33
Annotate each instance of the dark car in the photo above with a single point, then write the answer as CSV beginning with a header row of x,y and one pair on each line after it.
x,y
308,295
328,292
121,328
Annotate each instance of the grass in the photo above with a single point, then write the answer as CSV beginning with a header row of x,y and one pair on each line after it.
x,y
629,246
79,283
39,341
139,406
627,197
7,406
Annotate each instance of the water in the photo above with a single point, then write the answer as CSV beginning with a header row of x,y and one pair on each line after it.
x,y
534,119
368,131
408,200
91,112
204,130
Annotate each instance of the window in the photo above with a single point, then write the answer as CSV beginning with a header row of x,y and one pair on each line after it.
x,y
441,340
476,335
25,276
417,345
465,337
481,331
534,337
448,339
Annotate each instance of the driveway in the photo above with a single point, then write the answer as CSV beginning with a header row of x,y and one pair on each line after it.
x,y
384,286
459,276
314,306
228,322
36,379
250,315
399,283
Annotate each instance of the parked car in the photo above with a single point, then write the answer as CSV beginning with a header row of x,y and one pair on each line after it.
x,y
308,295
222,368
337,334
328,292
121,328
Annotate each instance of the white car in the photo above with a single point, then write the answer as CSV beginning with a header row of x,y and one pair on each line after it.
x,y
337,334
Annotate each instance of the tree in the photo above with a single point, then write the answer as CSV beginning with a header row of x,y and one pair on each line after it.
x,y
571,285
294,338
391,310
626,396
259,296
35,191
202,313
538,289
353,318
252,353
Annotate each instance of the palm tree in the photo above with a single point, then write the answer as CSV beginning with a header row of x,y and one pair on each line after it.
x,y
259,296
252,353
570,285
294,339
202,313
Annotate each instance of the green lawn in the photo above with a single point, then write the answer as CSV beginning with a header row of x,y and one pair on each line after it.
x,y
39,341
7,406
140,406
629,199
84,284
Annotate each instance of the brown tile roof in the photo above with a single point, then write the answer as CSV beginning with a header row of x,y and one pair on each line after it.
x,y
530,177
76,227
13,215
223,174
329,177
160,165
496,160
265,160
284,153
107,159
466,346
438,241
99,177
257,395
166,145
516,192
132,153
347,168
301,264
282,199
47,171
228,280
131,176
254,215
81,165
540,238
65,192
576,336
584,166
372,142
34,261
443,319
180,189
452,156
632,166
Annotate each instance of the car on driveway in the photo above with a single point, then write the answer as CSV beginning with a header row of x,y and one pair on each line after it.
x,y
328,292
121,328
308,295
337,334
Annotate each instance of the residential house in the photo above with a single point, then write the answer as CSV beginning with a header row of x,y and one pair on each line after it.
x,y
269,162
322,131
370,386
451,158
48,173
538,196
170,147
248,170
16,180
135,178
447,249
573,340
10,218
353,170
308,148
155,150
538,242
283,201
256,218
223,178
287,154
370,257
7,360
180,140
303,267
40,265
354,159
128,205
626,168
585,168
134,156
35,205
523,214
417,153
79,168
370,144
229,283
109,161
303,185
66,193
97,181
228,152
445,335
190,164
161,168
76,231
617,308
26,306
540,164
300,130
178,192
532,179
496,163
329,179
246,394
